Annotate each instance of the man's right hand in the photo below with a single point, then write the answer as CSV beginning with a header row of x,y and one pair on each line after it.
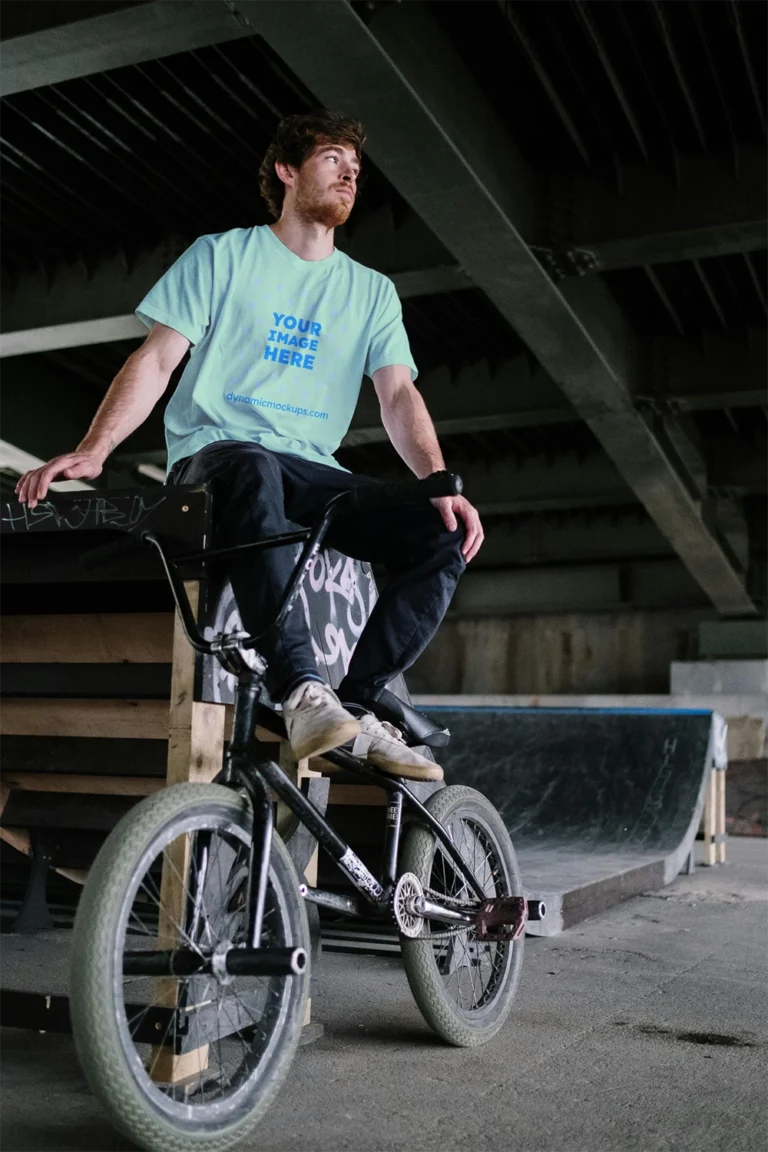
x,y
34,485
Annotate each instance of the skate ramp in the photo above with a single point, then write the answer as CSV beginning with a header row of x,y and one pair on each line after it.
x,y
601,803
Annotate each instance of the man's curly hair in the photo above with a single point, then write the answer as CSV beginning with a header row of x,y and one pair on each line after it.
x,y
296,139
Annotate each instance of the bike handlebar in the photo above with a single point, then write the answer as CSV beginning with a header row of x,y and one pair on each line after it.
x,y
378,495
366,497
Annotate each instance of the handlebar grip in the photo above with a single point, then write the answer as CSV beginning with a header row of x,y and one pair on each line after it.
x,y
95,557
406,492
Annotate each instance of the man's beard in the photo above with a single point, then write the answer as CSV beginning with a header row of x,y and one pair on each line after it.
x,y
330,210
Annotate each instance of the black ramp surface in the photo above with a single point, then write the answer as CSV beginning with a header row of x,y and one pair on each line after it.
x,y
601,803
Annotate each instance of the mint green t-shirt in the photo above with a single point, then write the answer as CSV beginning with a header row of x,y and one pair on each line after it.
x,y
279,344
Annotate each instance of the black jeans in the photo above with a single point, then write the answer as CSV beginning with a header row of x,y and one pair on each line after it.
x,y
258,493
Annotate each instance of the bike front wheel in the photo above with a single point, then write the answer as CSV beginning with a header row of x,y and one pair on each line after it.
x,y
463,986
184,1062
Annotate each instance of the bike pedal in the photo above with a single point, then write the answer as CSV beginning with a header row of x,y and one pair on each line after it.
x,y
502,919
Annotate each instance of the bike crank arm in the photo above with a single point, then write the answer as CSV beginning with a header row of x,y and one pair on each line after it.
x,y
432,911
496,918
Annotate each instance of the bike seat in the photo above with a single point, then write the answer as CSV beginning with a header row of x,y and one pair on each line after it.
x,y
417,728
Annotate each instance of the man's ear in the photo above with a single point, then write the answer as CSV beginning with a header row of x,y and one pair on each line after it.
x,y
286,173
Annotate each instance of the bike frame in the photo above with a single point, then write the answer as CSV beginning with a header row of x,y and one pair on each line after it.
x,y
247,768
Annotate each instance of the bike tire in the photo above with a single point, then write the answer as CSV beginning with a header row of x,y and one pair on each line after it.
x,y
467,813
104,1041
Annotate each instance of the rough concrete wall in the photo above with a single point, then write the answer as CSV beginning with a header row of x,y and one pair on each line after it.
x,y
557,654
746,798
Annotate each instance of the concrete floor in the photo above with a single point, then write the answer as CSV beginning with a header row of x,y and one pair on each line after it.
x,y
643,1030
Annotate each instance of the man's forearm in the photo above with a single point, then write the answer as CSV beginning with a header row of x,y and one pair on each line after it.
x,y
410,428
129,401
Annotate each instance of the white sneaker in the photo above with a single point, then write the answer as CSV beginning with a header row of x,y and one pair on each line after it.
x,y
315,721
383,745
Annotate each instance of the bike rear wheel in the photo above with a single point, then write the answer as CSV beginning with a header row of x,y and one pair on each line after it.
x,y
184,1062
464,987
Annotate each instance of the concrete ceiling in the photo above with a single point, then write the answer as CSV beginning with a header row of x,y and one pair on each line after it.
x,y
570,198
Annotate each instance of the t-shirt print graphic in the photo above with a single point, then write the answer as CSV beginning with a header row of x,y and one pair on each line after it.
x,y
299,338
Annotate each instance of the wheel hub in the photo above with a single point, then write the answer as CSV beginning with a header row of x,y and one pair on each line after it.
x,y
219,962
408,891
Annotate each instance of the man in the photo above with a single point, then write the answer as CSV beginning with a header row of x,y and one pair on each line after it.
x,y
282,328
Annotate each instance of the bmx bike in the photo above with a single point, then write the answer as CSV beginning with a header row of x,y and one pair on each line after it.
x,y
190,961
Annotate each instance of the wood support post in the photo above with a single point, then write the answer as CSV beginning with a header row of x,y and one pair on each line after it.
x,y
195,750
195,730
720,787
713,820
709,821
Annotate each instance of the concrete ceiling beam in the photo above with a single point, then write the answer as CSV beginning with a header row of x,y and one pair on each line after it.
x,y
709,207
478,397
536,483
433,134
727,370
80,305
113,40
640,584
570,538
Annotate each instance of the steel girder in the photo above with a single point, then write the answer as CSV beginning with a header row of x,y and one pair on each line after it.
x,y
435,137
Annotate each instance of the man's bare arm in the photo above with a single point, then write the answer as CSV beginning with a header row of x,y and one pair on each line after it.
x,y
407,421
132,395
409,426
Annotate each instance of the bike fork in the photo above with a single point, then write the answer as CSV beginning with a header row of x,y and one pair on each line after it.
x,y
248,693
261,849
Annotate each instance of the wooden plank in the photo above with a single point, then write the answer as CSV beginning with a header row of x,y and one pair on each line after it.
x,y
85,756
262,734
92,813
133,638
166,1068
195,730
86,681
357,795
196,748
19,839
91,785
119,719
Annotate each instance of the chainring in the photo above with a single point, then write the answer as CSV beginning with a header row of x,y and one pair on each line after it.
x,y
407,890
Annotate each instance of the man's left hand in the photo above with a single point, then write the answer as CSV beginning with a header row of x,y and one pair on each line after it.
x,y
453,507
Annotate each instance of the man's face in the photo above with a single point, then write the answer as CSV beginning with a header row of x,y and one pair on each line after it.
x,y
326,185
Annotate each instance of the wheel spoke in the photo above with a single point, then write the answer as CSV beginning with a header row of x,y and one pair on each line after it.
x,y
193,1041
472,970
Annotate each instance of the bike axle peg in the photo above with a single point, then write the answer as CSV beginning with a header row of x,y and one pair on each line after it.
x,y
236,961
266,961
537,909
